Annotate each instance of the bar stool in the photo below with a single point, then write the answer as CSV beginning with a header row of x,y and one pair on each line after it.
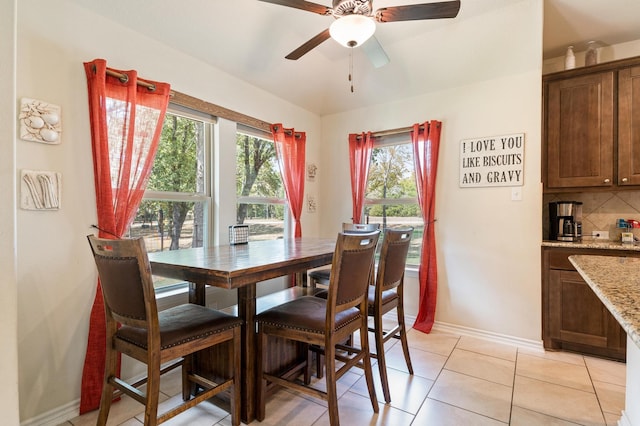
x,y
156,338
325,323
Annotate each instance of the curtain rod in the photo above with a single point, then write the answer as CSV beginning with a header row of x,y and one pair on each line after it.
x,y
124,78
391,132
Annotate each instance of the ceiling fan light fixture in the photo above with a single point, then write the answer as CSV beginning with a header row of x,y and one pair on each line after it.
x,y
352,30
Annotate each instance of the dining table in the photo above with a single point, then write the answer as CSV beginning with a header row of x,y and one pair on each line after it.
x,y
242,267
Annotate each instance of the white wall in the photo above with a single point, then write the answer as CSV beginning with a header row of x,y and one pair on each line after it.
x,y
488,246
55,272
8,282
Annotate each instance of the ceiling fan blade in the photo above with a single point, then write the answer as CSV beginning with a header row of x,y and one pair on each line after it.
x,y
303,5
446,9
306,47
374,51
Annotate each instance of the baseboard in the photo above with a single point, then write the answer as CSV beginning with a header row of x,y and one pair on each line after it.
x,y
487,335
56,416
624,420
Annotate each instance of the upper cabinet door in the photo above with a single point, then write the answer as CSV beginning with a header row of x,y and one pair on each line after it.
x,y
579,122
629,126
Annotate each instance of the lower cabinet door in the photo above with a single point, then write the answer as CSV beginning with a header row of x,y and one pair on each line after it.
x,y
577,316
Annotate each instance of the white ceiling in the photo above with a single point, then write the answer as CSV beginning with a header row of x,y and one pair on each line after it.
x,y
249,39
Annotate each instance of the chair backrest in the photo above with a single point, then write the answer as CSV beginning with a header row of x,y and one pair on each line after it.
x,y
351,270
393,258
126,281
354,228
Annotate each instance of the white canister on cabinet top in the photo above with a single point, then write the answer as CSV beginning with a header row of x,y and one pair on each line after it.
x,y
569,59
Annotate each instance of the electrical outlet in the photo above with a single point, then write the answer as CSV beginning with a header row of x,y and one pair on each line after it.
x,y
600,235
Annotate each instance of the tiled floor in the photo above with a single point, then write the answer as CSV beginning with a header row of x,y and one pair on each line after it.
x,y
457,381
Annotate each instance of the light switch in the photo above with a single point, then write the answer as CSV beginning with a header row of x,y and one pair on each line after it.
x,y
516,193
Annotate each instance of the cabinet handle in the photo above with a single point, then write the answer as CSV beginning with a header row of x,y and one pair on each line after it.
x,y
607,180
625,179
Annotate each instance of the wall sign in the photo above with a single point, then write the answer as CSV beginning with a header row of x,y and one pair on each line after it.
x,y
492,161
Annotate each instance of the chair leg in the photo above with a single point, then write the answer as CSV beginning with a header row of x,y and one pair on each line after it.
x,y
262,382
332,395
366,360
403,336
236,392
382,364
153,393
111,365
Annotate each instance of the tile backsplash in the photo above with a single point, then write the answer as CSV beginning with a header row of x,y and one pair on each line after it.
x,y
600,211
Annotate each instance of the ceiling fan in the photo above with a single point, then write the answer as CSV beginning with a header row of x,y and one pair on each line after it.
x,y
355,22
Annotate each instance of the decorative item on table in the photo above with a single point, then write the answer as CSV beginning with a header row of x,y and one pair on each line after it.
x,y
238,234
591,56
39,121
569,59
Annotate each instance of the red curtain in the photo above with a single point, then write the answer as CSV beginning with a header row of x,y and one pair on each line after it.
x,y
360,147
126,122
426,144
290,150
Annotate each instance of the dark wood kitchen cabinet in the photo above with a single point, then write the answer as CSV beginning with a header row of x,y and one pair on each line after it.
x,y
573,317
591,127
579,131
629,126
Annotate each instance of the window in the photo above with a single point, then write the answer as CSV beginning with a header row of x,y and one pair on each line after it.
x,y
176,208
259,188
391,197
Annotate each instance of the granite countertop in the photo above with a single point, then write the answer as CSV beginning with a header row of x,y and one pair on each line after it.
x,y
593,244
616,281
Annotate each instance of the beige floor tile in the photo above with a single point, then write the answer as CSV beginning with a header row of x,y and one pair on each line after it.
x,y
480,396
407,392
552,371
611,397
203,414
425,364
286,408
342,385
557,401
569,357
435,342
612,419
438,413
523,417
608,371
487,347
120,412
355,409
497,370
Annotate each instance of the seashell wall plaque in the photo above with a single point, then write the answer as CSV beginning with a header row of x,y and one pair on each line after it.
x,y
40,121
40,190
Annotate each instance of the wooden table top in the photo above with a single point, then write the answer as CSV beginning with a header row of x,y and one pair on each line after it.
x,y
233,266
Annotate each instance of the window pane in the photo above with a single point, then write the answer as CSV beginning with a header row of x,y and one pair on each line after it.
x,y
169,225
179,164
391,173
391,197
261,200
266,221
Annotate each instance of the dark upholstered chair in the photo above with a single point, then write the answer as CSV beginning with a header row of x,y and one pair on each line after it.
x,y
325,323
321,276
156,338
385,295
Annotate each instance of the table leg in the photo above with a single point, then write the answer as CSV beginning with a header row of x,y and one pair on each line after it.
x,y
247,311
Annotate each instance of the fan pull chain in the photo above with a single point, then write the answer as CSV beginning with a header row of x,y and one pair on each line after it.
x,y
351,67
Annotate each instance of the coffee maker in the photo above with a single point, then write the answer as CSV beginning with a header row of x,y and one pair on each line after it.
x,y
565,221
